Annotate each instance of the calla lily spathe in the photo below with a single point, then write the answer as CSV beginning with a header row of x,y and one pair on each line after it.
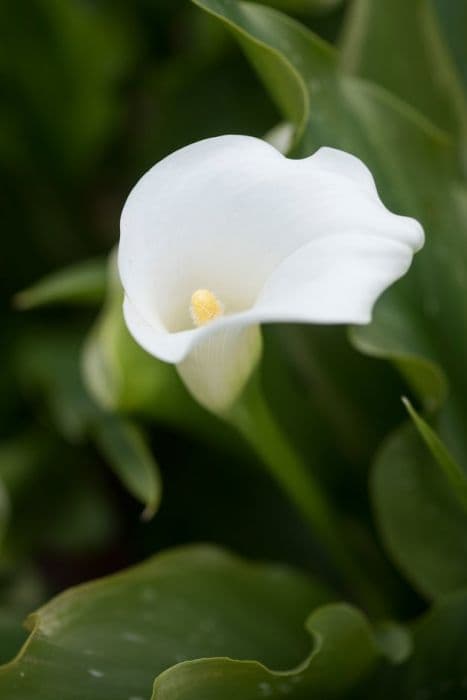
x,y
270,238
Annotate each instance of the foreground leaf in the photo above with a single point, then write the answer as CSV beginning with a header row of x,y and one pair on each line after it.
x,y
111,638
342,655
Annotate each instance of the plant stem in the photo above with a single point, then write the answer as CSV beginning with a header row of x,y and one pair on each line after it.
x,y
253,419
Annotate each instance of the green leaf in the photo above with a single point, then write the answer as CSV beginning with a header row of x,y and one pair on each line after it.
x,y
50,364
395,338
399,45
453,19
126,450
111,638
437,668
80,284
267,38
119,374
47,364
421,518
448,464
343,653
303,6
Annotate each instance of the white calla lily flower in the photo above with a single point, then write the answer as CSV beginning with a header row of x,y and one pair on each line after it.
x,y
227,233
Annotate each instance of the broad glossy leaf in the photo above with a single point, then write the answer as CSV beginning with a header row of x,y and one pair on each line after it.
x,y
79,284
343,652
111,638
421,519
400,46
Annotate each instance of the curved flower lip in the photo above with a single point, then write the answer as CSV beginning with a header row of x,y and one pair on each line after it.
x,y
175,347
324,244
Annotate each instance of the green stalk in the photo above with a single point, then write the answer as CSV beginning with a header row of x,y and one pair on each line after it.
x,y
253,419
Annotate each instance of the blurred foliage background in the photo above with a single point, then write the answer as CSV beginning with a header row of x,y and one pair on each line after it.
x,y
95,92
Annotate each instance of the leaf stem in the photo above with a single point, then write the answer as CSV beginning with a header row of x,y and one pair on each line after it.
x,y
253,419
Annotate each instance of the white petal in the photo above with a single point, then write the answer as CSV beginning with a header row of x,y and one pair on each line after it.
x,y
170,347
274,239
217,369
341,163
223,213
190,223
334,279
214,362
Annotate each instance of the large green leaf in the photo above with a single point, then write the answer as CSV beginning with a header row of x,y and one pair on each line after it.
x,y
111,638
343,652
399,45
422,520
